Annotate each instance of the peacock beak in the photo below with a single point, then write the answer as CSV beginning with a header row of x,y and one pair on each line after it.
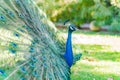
x,y
76,29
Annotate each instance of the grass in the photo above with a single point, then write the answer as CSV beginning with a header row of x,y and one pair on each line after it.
x,y
98,52
100,55
96,64
88,32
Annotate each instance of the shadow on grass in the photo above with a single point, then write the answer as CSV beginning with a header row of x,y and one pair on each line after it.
x,y
96,52
87,75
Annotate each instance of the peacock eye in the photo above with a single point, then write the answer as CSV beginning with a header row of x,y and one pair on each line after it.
x,y
22,78
17,1
16,34
71,28
2,18
11,14
20,15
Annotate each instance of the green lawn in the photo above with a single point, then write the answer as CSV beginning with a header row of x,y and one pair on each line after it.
x,y
101,55
96,64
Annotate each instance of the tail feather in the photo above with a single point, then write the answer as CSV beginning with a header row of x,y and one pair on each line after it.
x,y
29,46
77,57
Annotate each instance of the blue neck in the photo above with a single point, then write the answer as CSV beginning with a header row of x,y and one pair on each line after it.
x,y
69,54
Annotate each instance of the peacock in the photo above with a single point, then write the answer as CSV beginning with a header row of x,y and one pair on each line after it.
x,y
30,48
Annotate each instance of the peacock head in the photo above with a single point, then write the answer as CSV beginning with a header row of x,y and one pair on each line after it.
x,y
71,27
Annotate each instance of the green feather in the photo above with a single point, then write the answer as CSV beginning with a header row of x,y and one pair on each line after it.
x,y
30,46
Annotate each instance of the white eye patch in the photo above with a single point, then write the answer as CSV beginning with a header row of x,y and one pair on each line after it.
x,y
71,28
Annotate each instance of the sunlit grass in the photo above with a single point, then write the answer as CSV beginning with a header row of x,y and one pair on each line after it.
x,y
97,52
97,63
95,70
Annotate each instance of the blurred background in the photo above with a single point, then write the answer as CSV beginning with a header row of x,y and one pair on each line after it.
x,y
101,12
98,38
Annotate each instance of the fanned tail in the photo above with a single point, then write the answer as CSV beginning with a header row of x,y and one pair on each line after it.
x,y
29,47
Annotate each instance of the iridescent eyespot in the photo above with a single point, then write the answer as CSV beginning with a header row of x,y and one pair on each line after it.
x,y
20,15
10,14
12,51
35,74
17,1
2,73
32,65
31,50
13,47
2,18
16,34
34,59
26,27
23,69
22,78
36,40
45,65
13,44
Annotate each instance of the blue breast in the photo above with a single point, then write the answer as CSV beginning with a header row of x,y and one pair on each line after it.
x,y
69,53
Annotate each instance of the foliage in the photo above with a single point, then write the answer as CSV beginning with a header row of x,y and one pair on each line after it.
x,y
100,13
104,12
77,11
115,26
